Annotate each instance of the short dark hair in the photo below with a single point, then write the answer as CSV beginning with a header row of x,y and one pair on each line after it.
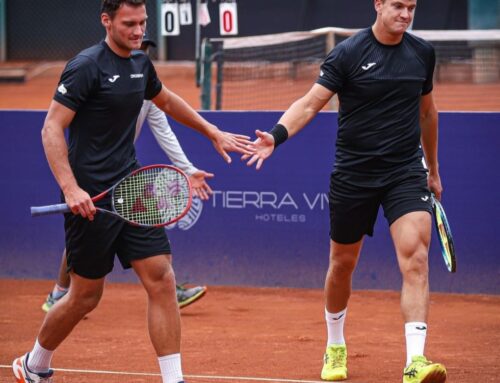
x,y
111,6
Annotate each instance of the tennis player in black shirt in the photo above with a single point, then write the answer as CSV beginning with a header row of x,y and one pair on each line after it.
x,y
387,122
99,98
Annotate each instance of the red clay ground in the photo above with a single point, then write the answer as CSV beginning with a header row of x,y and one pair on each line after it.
x,y
38,91
266,333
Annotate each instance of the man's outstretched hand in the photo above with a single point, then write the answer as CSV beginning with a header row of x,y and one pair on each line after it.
x,y
262,148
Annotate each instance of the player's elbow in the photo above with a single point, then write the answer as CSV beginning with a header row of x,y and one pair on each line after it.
x,y
429,115
47,131
428,110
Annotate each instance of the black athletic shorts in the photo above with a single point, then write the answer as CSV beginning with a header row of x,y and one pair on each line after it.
x,y
354,209
91,246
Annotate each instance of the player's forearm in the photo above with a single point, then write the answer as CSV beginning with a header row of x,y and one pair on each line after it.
x,y
302,111
429,132
56,151
298,115
182,112
429,140
167,140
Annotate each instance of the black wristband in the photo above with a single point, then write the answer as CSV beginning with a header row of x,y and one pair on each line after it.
x,y
279,133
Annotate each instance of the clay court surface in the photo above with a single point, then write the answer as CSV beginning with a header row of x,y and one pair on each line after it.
x,y
37,92
242,335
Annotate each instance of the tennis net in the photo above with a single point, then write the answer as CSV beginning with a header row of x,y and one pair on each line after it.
x,y
271,71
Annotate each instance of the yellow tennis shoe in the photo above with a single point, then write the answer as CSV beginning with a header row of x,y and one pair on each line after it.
x,y
335,363
422,370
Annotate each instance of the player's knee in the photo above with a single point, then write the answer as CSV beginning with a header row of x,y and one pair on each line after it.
x,y
90,303
161,282
84,302
342,266
416,265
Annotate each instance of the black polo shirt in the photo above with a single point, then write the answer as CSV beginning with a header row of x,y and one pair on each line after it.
x,y
106,91
379,88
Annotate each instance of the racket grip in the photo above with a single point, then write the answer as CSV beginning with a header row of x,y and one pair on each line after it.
x,y
49,209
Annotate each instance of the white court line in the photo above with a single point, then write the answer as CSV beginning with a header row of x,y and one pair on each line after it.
x,y
208,377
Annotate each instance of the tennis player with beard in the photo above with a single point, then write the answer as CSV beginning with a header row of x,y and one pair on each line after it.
x,y
99,97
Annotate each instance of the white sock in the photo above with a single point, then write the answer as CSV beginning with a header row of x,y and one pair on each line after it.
x,y
39,358
170,367
59,291
335,326
415,339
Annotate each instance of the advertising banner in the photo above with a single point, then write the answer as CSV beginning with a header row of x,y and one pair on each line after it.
x,y
268,227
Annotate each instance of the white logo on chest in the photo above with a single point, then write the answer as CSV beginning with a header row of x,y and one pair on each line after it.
x,y
114,78
368,66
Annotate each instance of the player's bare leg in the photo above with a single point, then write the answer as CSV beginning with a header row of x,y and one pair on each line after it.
x,y
338,285
157,276
411,234
83,296
61,286
63,278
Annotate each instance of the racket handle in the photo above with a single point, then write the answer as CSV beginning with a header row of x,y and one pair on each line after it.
x,y
49,209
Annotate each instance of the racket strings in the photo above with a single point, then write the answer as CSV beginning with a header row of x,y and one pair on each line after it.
x,y
153,196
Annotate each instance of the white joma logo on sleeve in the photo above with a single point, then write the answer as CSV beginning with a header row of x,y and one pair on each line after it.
x,y
62,89
368,66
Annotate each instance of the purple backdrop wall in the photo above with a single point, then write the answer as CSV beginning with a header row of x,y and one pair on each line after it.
x,y
266,228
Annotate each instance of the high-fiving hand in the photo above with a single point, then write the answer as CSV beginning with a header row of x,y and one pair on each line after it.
x,y
262,148
229,142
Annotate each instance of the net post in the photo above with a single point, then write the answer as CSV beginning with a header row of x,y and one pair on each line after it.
x,y
218,56
206,74
3,32
160,39
197,44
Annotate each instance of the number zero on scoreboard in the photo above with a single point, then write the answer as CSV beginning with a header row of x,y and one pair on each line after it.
x,y
228,19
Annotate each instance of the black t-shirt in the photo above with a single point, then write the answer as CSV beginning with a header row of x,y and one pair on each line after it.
x,y
379,88
106,91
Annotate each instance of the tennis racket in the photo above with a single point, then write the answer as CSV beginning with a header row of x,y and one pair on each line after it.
x,y
444,235
152,196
